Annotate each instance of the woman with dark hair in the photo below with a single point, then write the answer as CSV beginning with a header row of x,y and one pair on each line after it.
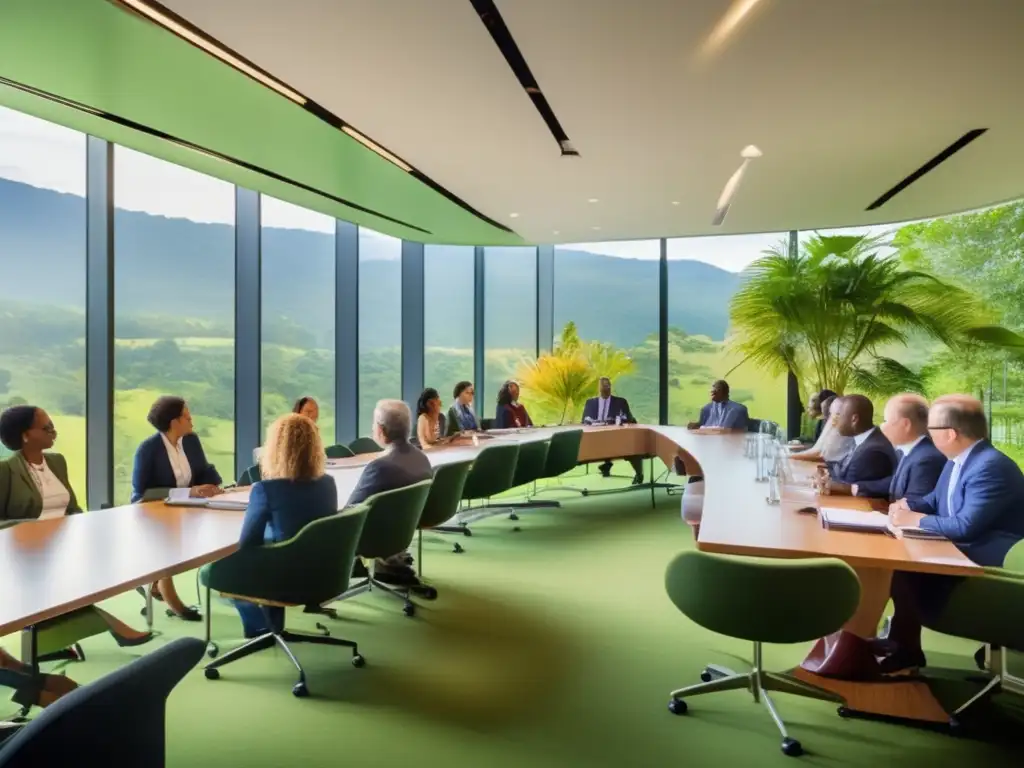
x,y
308,407
27,431
510,414
460,416
172,458
814,410
429,421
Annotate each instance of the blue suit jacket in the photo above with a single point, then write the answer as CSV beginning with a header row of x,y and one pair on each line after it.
x,y
987,514
873,459
152,475
736,416
279,509
403,465
592,408
914,478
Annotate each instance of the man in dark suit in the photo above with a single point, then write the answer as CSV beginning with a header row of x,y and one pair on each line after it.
x,y
872,457
606,408
976,505
722,412
919,462
401,464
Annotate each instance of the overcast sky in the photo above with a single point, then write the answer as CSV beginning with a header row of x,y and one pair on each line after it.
x,y
45,155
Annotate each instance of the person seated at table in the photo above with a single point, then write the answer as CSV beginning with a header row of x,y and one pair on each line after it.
x,y
429,420
919,462
400,465
976,504
607,408
830,445
816,411
293,492
873,457
510,414
172,458
460,416
722,412
308,407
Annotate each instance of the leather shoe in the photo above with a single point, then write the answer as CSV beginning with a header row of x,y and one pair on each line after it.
x,y
638,478
902,662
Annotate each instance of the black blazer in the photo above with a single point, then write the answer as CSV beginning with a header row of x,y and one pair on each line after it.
x,y
152,475
873,459
618,405
914,477
402,465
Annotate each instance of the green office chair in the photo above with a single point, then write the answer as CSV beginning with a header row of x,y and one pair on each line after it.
x,y
363,445
442,504
530,467
563,456
987,609
491,474
486,424
339,452
752,599
250,476
390,527
305,570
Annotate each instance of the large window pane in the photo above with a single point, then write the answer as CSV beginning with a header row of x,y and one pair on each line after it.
x,y
380,322
448,317
174,305
42,278
703,275
298,311
610,292
510,317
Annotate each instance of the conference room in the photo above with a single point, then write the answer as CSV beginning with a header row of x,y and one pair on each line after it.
x,y
624,265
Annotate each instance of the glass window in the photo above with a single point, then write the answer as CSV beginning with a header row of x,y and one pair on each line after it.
x,y
510,318
609,291
380,322
42,264
703,275
297,310
174,318
448,317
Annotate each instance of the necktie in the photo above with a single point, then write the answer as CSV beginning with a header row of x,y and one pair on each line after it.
x,y
892,485
602,411
954,478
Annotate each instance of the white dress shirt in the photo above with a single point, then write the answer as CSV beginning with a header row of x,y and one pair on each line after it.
x,y
179,462
859,439
954,475
55,496
603,406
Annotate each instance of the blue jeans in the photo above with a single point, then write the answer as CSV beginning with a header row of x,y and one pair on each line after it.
x,y
258,619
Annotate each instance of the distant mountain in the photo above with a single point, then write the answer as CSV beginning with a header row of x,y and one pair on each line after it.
x,y
186,269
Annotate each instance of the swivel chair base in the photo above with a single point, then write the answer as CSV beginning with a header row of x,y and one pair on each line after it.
x,y
281,639
369,584
759,683
1001,680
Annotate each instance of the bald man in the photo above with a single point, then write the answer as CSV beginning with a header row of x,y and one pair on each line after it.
x,y
919,462
976,504
872,457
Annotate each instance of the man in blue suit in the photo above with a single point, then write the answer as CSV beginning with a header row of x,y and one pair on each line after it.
x,y
872,457
722,412
919,462
606,408
978,504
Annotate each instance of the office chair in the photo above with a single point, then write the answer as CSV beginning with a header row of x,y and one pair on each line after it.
x,y
442,504
339,451
491,474
391,521
563,456
117,720
305,570
363,445
752,599
250,476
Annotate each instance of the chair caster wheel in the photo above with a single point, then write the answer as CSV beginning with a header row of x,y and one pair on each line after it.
x,y
358,661
513,516
517,529
844,712
212,673
677,707
212,650
467,532
792,748
409,610
955,727
457,549
706,677
584,492
299,690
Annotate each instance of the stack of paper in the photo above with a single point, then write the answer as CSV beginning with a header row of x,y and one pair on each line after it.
x,y
836,519
913,532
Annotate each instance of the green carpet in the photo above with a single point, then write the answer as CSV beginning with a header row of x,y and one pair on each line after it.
x,y
552,646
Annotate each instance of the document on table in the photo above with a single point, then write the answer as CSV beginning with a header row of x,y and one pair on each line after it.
x,y
838,519
913,532
180,497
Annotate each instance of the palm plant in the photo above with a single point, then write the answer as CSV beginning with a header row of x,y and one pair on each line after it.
x,y
559,383
832,309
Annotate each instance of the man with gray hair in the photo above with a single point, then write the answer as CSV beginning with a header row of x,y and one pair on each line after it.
x,y
400,464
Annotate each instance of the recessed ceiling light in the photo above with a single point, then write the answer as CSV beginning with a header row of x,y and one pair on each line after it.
x,y
514,215
595,228
675,202
555,232
593,200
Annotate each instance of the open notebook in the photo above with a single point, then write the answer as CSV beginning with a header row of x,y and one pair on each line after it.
x,y
836,519
237,499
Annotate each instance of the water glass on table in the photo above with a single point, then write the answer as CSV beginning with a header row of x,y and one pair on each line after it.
x,y
822,481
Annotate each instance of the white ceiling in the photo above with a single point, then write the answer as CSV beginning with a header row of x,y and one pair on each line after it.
x,y
844,97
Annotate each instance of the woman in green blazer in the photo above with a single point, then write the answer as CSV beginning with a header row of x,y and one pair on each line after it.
x,y
33,485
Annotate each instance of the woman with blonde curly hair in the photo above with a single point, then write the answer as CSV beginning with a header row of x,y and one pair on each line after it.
x,y
293,492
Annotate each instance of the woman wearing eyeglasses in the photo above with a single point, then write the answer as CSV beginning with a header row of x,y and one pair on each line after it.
x,y
33,485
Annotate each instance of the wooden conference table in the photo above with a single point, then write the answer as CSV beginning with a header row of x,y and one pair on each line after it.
x,y
54,566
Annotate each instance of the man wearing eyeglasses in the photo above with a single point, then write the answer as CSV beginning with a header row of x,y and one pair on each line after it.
x,y
978,504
